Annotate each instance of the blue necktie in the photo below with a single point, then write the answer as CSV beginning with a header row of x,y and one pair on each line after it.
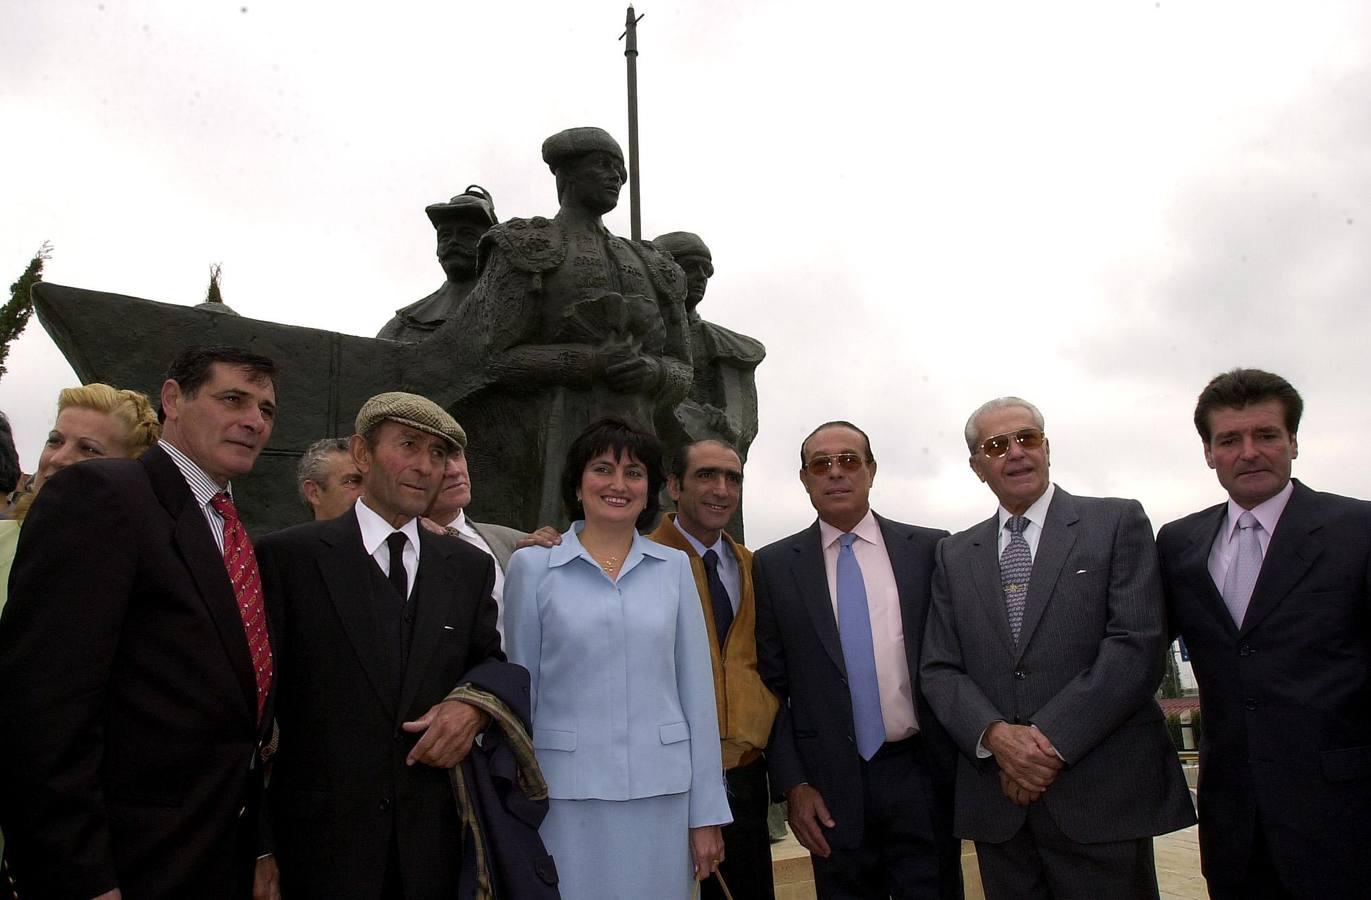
x,y
854,630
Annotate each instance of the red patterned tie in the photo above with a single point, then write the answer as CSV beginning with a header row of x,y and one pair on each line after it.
x,y
241,563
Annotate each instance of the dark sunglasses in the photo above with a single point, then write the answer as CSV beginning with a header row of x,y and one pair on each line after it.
x,y
998,445
822,465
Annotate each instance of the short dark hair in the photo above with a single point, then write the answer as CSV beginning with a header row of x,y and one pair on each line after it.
x,y
1243,387
680,457
616,435
190,369
837,423
9,458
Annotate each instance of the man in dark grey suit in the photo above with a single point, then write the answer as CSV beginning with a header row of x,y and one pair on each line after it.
x,y
855,750
1043,649
1272,592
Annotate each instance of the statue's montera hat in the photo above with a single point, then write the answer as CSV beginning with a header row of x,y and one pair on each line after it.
x,y
574,142
682,243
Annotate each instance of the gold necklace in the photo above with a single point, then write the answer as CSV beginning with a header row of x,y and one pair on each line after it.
x,y
609,564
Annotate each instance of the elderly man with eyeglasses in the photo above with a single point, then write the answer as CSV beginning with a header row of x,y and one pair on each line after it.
x,y
855,749
1044,646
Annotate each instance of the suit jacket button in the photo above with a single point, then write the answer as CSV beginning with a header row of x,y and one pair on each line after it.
x,y
396,736
1244,650
385,804
1020,674
1250,703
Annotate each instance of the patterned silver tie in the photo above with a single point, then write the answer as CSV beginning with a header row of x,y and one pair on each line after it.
x,y
1242,574
1016,565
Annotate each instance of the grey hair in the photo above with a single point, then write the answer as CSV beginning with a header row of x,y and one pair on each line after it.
x,y
1000,403
314,464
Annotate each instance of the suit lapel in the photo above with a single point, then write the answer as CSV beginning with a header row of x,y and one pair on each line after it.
x,y
1194,566
346,570
811,583
195,543
907,569
1055,543
431,612
985,573
1294,547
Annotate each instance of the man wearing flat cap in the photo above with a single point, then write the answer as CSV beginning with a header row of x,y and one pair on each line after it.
x,y
376,620
458,225
567,323
722,404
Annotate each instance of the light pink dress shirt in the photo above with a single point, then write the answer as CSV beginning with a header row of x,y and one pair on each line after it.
x,y
887,626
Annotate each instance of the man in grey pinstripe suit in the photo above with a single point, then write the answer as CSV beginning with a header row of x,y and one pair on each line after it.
x,y
1043,649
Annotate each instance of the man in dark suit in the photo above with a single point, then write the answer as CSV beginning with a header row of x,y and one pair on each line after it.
x,y
865,766
1043,650
1272,593
135,673
377,621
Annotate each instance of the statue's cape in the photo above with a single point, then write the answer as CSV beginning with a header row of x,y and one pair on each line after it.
x,y
533,245
431,311
538,245
719,342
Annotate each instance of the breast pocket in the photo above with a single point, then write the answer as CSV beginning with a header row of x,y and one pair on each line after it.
x,y
552,739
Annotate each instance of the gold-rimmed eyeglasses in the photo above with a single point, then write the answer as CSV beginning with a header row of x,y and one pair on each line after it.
x,y
998,445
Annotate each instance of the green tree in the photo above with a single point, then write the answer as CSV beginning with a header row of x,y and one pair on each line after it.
x,y
213,295
15,314
1171,681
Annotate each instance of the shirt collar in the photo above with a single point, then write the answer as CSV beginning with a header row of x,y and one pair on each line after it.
x,y
202,487
375,529
1268,512
1036,512
460,523
570,548
868,529
720,546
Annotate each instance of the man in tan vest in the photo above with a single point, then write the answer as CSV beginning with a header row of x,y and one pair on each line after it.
x,y
706,481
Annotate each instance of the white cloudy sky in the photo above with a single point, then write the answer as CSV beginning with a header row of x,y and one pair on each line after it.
x,y
916,206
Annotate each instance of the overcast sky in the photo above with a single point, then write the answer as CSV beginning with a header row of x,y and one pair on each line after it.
x,y
915,206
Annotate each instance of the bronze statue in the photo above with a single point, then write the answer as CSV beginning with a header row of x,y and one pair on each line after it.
x,y
567,322
458,226
723,394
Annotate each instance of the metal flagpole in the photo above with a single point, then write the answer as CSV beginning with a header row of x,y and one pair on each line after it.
x,y
631,55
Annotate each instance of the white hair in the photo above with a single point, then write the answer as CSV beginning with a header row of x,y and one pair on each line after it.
x,y
973,432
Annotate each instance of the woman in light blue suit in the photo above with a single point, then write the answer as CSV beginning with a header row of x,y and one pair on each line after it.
x,y
609,625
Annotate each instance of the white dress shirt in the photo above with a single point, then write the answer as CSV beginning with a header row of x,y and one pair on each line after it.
x,y
887,626
375,530
202,488
1225,548
1036,514
728,563
462,528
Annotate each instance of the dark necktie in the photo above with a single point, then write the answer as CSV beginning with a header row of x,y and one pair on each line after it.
x,y
241,564
1016,565
718,597
396,543
859,652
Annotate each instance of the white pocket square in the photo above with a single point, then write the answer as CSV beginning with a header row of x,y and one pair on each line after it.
x,y
448,628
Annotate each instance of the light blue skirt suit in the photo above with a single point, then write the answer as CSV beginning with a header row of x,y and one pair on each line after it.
x,y
624,721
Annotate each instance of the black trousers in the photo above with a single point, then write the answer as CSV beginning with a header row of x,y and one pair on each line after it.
x,y
900,856
747,845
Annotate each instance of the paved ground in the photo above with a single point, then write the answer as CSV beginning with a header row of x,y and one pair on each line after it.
x,y
1178,868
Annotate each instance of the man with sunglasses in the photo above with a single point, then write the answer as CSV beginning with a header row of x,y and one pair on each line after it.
x,y
1271,590
857,752
1043,649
